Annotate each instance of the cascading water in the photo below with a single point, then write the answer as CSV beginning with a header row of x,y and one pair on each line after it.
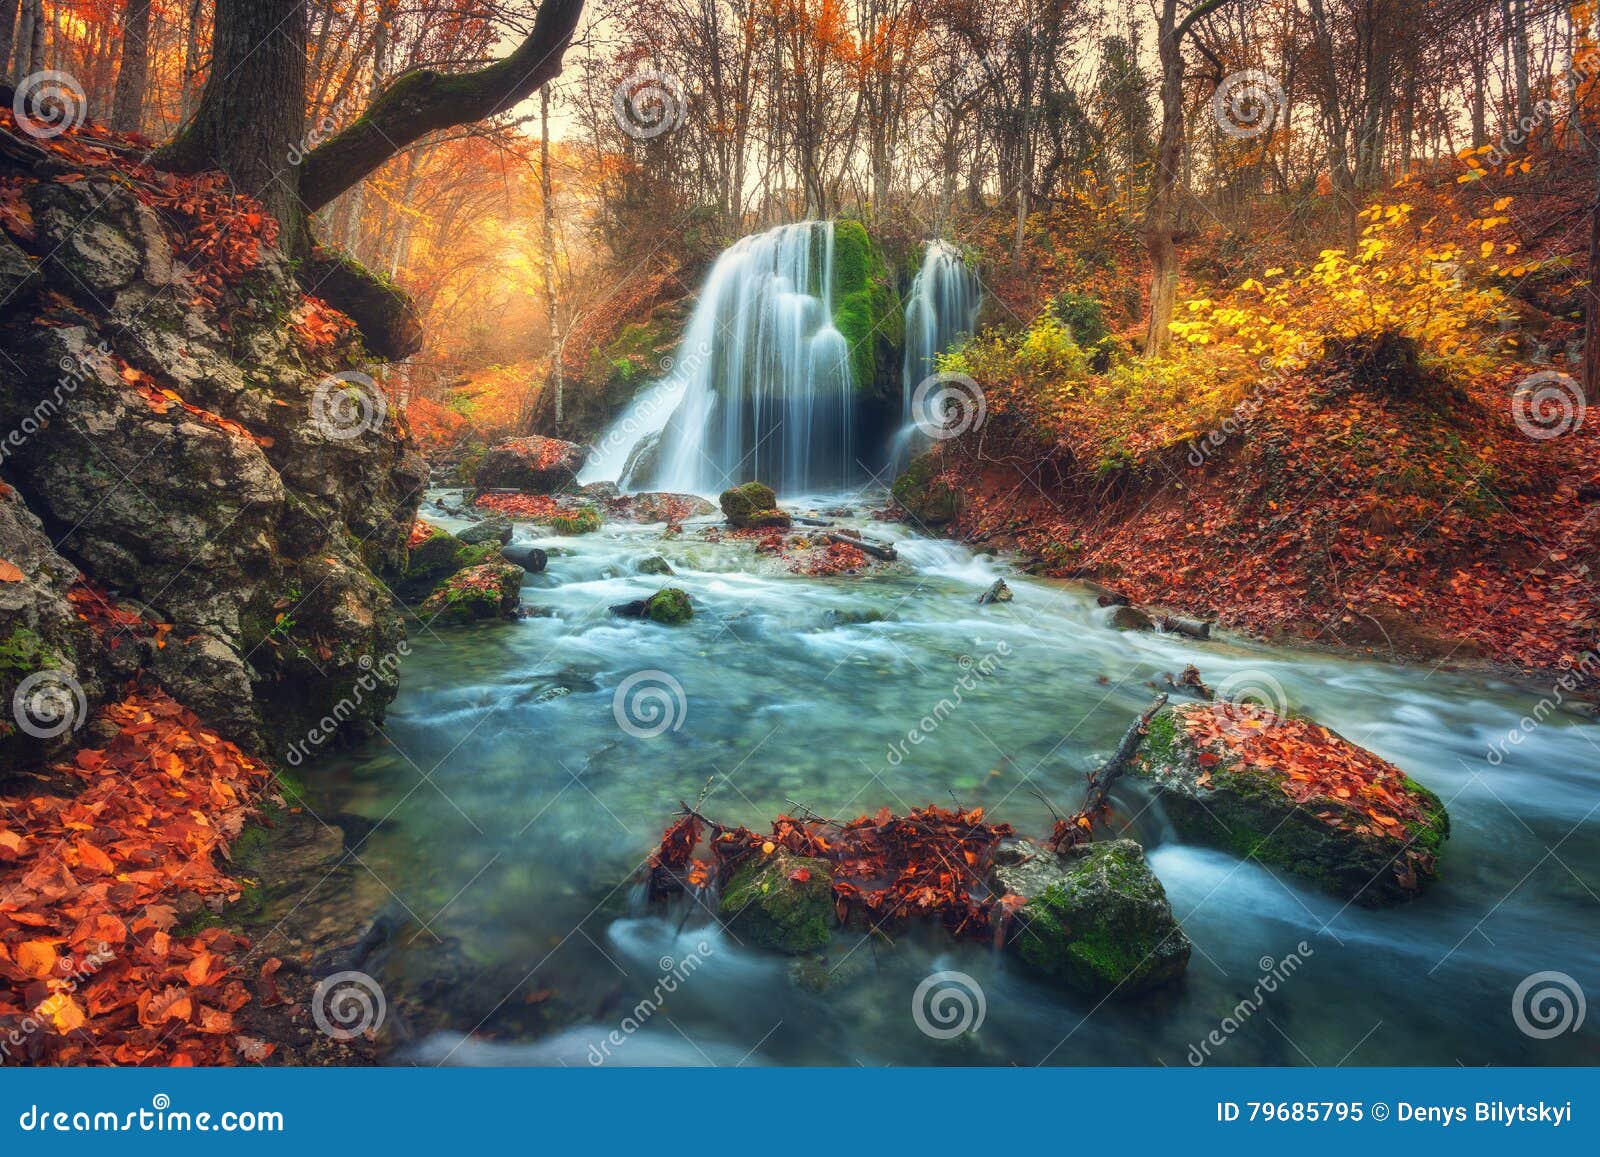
x,y
762,386
941,308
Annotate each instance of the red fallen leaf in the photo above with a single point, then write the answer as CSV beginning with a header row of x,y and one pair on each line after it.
x,y
268,982
10,572
1209,759
801,875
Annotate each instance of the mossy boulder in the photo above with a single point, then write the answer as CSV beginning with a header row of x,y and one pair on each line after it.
x,y
781,902
670,606
655,564
752,505
920,493
1377,845
533,465
487,591
1097,919
435,559
583,519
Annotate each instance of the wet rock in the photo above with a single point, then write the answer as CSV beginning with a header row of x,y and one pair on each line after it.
x,y
18,274
493,529
781,902
662,506
752,505
600,491
533,465
643,460
583,519
435,559
1096,919
655,564
669,606
487,591
530,558
1214,797
922,496
997,593
1126,618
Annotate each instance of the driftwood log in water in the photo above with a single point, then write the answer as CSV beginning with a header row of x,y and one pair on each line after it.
x,y
1080,827
1193,628
873,546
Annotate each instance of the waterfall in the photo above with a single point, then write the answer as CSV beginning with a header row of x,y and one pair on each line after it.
x,y
761,388
941,308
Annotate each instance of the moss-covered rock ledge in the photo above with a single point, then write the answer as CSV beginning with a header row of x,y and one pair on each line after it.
x,y
1297,796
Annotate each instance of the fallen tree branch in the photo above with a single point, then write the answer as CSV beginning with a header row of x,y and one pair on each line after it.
x,y
874,547
1080,828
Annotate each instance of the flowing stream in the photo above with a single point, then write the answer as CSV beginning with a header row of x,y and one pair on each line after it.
x,y
509,809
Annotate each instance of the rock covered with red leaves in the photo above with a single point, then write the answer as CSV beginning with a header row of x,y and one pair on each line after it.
x,y
534,465
1295,795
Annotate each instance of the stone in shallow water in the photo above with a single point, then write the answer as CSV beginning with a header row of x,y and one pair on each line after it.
x,y
493,529
1096,918
488,591
781,902
1231,795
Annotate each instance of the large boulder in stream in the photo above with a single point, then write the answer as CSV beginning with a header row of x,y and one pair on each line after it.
x,y
533,465
1295,795
920,493
780,901
1096,918
752,505
668,606
487,591
435,558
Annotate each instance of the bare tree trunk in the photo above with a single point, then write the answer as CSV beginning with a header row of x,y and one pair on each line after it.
x,y
127,106
1591,311
549,245
1161,216
8,26
191,62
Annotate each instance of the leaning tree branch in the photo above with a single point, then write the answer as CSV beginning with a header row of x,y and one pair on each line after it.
x,y
1081,826
424,101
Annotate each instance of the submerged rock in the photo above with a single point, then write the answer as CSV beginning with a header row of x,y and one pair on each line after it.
x,y
752,505
534,465
1295,795
1096,918
782,902
487,591
669,605
1127,618
655,564
922,495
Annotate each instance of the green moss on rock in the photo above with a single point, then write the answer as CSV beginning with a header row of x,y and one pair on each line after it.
x,y
580,520
765,903
752,505
1096,919
487,591
922,495
864,307
670,606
